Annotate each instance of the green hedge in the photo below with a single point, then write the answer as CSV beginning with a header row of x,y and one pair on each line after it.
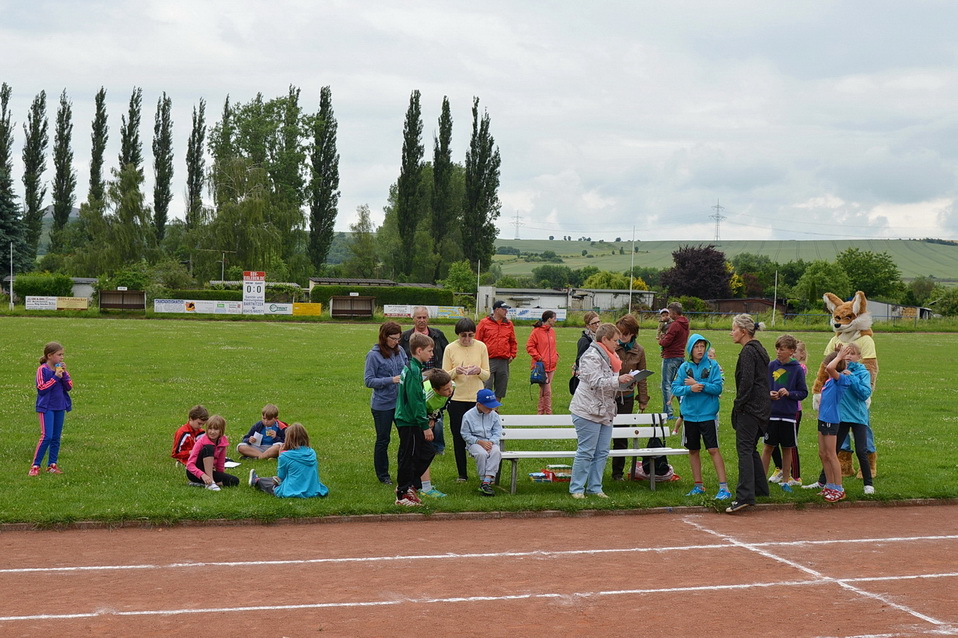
x,y
386,295
43,285
206,294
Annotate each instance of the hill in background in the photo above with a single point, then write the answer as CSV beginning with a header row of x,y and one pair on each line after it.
x,y
915,258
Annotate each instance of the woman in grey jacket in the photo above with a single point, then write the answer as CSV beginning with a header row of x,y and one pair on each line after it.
x,y
593,408
384,363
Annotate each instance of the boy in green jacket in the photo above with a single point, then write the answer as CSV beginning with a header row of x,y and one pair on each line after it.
x,y
412,423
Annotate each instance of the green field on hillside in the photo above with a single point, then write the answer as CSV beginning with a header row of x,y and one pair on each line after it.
x,y
914,258
136,379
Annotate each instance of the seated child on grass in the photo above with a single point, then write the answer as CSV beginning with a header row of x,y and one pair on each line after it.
x,y
265,437
208,457
481,430
297,470
186,435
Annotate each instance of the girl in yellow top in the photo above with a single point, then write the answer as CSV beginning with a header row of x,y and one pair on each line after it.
x,y
467,362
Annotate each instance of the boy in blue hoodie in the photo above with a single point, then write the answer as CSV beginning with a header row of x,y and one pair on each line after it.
x,y
786,382
699,383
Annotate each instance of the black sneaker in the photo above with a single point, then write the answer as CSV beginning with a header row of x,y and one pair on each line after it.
x,y
386,481
736,506
486,489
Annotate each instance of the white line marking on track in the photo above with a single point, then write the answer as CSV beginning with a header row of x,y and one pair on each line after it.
x,y
484,555
844,583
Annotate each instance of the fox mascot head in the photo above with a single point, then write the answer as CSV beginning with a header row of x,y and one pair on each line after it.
x,y
850,319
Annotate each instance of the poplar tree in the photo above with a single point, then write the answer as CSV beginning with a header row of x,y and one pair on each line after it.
x,y
11,223
324,184
408,191
65,178
162,164
481,205
444,202
196,167
223,149
99,137
34,164
131,148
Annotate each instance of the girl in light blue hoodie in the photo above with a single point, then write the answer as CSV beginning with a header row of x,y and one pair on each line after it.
x,y
297,469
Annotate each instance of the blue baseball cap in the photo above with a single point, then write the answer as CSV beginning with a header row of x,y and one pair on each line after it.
x,y
487,398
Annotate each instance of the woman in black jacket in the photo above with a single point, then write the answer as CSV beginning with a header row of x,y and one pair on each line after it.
x,y
750,411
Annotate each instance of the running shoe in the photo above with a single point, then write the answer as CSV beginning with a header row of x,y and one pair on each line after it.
x,y
794,482
485,488
411,495
34,471
213,487
869,489
833,496
600,495
578,495
253,478
786,488
53,468
405,502
695,491
434,493
723,495
813,486
776,476
736,506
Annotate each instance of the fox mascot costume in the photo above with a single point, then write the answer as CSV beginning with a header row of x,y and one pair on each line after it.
x,y
851,324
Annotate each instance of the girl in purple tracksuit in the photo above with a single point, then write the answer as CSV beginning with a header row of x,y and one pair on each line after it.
x,y
53,402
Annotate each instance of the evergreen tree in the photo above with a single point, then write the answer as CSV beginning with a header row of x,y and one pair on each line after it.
x,y
98,137
162,164
129,238
11,223
223,149
445,230
481,205
34,164
131,148
324,185
408,192
65,178
196,167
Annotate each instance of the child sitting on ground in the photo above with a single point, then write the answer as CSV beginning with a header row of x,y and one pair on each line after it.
x,y
265,437
208,457
438,387
297,472
481,430
698,384
185,436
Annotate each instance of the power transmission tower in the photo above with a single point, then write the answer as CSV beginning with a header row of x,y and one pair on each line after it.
x,y
718,217
518,223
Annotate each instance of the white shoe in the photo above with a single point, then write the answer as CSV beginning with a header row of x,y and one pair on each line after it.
x,y
776,477
252,478
794,482
578,495
869,489
813,486
213,487
601,495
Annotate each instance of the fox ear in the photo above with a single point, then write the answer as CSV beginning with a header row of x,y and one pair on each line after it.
x,y
859,303
831,301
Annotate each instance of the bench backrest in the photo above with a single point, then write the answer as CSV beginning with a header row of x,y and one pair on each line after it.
x,y
553,433
565,420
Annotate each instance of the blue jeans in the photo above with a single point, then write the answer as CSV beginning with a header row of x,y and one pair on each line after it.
x,y
383,420
590,455
669,368
439,438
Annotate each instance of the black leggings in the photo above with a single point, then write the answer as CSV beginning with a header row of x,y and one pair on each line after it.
x,y
227,480
456,410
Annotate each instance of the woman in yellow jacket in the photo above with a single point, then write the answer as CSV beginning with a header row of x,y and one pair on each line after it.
x,y
541,346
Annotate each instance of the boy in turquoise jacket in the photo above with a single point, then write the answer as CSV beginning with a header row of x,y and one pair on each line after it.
x,y
698,384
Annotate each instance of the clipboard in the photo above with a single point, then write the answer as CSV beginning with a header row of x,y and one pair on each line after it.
x,y
638,376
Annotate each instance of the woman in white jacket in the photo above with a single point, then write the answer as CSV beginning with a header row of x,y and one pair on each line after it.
x,y
593,408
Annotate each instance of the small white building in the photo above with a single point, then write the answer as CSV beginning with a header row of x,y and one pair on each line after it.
x,y
570,298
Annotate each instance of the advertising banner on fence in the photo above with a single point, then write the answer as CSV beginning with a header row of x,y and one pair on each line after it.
x,y
254,292
400,310
308,309
534,314
276,309
198,306
57,303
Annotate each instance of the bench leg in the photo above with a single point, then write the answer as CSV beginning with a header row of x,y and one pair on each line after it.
x,y
652,473
515,473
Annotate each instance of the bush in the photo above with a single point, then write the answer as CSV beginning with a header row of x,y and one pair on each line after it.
x,y
42,285
692,304
399,295
207,294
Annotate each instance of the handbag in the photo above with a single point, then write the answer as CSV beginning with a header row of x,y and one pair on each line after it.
x,y
538,374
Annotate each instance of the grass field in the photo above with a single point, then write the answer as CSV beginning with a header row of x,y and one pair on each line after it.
x,y
135,380
914,258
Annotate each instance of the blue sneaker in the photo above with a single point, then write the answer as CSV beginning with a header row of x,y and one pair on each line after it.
x,y
434,493
786,488
723,495
695,491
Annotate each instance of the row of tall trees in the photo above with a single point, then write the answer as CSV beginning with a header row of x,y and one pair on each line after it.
x,y
271,170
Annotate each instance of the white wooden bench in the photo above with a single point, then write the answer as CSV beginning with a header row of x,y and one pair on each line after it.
x,y
547,427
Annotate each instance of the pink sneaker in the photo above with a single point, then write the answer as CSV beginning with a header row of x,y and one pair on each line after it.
x,y
53,468
34,471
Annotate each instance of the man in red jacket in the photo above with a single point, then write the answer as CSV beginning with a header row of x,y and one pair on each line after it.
x,y
499,335
673,352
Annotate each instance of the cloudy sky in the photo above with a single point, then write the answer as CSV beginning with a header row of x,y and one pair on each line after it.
x,y
806,120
